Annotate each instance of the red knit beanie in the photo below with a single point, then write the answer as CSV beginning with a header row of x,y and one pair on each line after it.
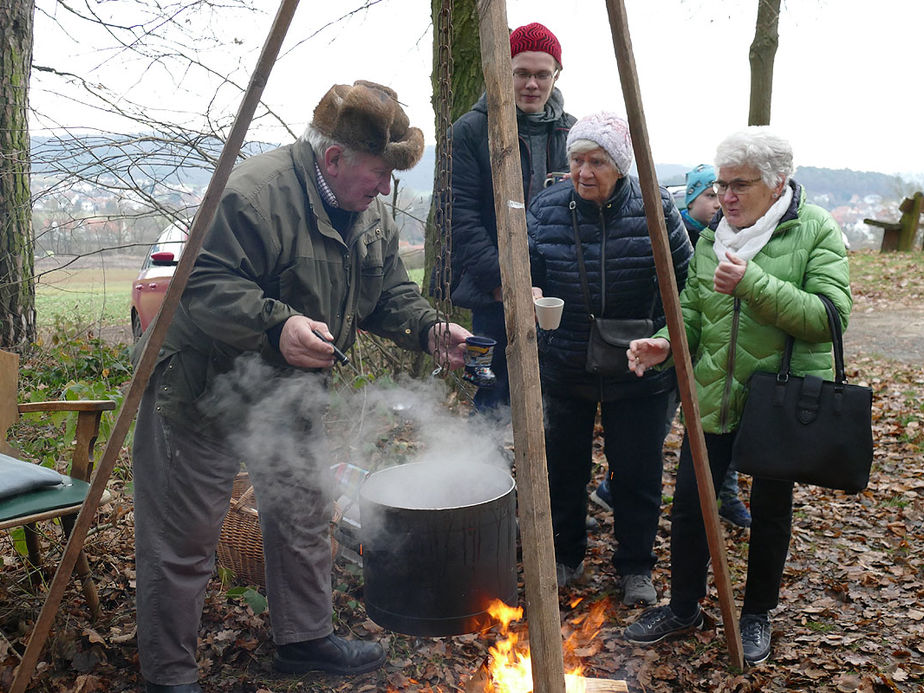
x,y
534,37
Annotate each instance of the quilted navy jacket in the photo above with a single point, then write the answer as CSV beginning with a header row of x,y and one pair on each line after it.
x,y
619,230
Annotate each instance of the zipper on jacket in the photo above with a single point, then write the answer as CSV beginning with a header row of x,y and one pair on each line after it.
x,y
730,366
529,165
602,222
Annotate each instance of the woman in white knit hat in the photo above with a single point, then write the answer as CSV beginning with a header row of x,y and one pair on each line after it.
x,y
589,245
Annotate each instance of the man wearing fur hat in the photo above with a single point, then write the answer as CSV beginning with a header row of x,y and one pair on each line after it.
x,y
300,255
542,127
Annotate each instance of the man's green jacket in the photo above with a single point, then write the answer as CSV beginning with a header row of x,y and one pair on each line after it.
x,y
272,253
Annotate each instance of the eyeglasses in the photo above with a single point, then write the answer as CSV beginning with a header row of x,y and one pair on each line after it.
x,y
738,186
540,77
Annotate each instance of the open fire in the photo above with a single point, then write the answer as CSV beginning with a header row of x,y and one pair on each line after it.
x,y
510,665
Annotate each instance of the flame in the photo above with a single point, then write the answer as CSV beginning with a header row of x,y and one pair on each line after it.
x,y
510,666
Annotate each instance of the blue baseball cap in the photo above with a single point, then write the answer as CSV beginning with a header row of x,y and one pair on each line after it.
x,y
698,181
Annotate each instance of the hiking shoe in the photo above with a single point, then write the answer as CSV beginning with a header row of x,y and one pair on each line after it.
x,y
601,496
658,623
567,575
734,511
755,637
638,589
591,524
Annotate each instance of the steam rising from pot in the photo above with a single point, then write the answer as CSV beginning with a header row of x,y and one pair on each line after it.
x,y
289,429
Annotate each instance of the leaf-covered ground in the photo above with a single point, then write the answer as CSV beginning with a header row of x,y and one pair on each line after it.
x,y
851,615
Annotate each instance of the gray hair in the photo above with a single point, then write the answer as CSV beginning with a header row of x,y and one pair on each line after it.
x,y
320,143
761,148
582,146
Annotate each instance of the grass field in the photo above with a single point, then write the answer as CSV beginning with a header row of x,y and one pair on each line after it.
x,y
100,297
84,297
416,275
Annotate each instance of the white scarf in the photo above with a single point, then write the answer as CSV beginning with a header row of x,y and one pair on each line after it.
x,y
747,242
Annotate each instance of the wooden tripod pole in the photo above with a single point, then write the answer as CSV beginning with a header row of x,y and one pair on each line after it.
x,y
142,374
522,357
660,246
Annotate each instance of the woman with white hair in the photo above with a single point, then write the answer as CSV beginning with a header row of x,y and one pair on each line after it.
x,y
589,245
754,280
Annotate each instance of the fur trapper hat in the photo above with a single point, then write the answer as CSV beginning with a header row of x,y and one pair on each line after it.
x,y
367,117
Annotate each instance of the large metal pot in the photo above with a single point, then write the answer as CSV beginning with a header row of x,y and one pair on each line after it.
x,y
438,546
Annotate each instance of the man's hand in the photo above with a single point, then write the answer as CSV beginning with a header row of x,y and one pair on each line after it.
x,y
728,274
447,344
645,353
300,347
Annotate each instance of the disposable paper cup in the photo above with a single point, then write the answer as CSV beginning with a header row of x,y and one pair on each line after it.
x,y
548,312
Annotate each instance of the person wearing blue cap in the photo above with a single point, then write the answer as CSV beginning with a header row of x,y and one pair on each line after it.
x,y
701,201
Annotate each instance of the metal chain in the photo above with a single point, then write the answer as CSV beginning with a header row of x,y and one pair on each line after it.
x,y
442,216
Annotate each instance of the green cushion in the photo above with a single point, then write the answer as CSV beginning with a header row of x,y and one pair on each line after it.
x,y
69,492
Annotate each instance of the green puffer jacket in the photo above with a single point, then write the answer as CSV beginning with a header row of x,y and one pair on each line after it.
x,y
730,337
272,253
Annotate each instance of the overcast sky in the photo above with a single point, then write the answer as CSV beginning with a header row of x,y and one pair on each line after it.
x,y
838,80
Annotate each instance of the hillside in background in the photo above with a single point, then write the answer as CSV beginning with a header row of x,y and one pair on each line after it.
x,y
169,160
843,185
124,176
175,159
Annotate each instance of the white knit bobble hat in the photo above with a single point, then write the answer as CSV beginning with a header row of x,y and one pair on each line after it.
x,y
609,131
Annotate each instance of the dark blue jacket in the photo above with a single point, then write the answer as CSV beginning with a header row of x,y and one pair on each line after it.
x,y
631,280
475,268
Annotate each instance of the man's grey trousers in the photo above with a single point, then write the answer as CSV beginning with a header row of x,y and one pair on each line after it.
x,y
182,488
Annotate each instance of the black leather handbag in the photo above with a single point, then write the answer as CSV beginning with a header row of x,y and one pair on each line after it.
x,y
609,337
805,429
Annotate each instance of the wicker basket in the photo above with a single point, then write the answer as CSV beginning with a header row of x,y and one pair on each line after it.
x,y
240,545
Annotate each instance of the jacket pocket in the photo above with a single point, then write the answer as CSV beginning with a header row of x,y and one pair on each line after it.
x,y
372,253
371,249
314,287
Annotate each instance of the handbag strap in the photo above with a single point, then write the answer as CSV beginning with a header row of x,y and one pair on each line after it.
x,y
579,252
837,338
837,343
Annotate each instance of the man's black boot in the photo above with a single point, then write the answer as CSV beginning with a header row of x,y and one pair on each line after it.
x,y
332,654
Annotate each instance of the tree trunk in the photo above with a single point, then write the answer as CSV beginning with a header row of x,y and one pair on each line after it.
x,y
17,291
761,55
467,85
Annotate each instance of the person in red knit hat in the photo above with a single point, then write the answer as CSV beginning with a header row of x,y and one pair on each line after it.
x,y
534,74
542,128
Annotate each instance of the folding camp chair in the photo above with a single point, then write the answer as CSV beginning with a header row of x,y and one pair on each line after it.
x,y
29,493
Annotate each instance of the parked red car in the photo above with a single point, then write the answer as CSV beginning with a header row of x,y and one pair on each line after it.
x,y
149,287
